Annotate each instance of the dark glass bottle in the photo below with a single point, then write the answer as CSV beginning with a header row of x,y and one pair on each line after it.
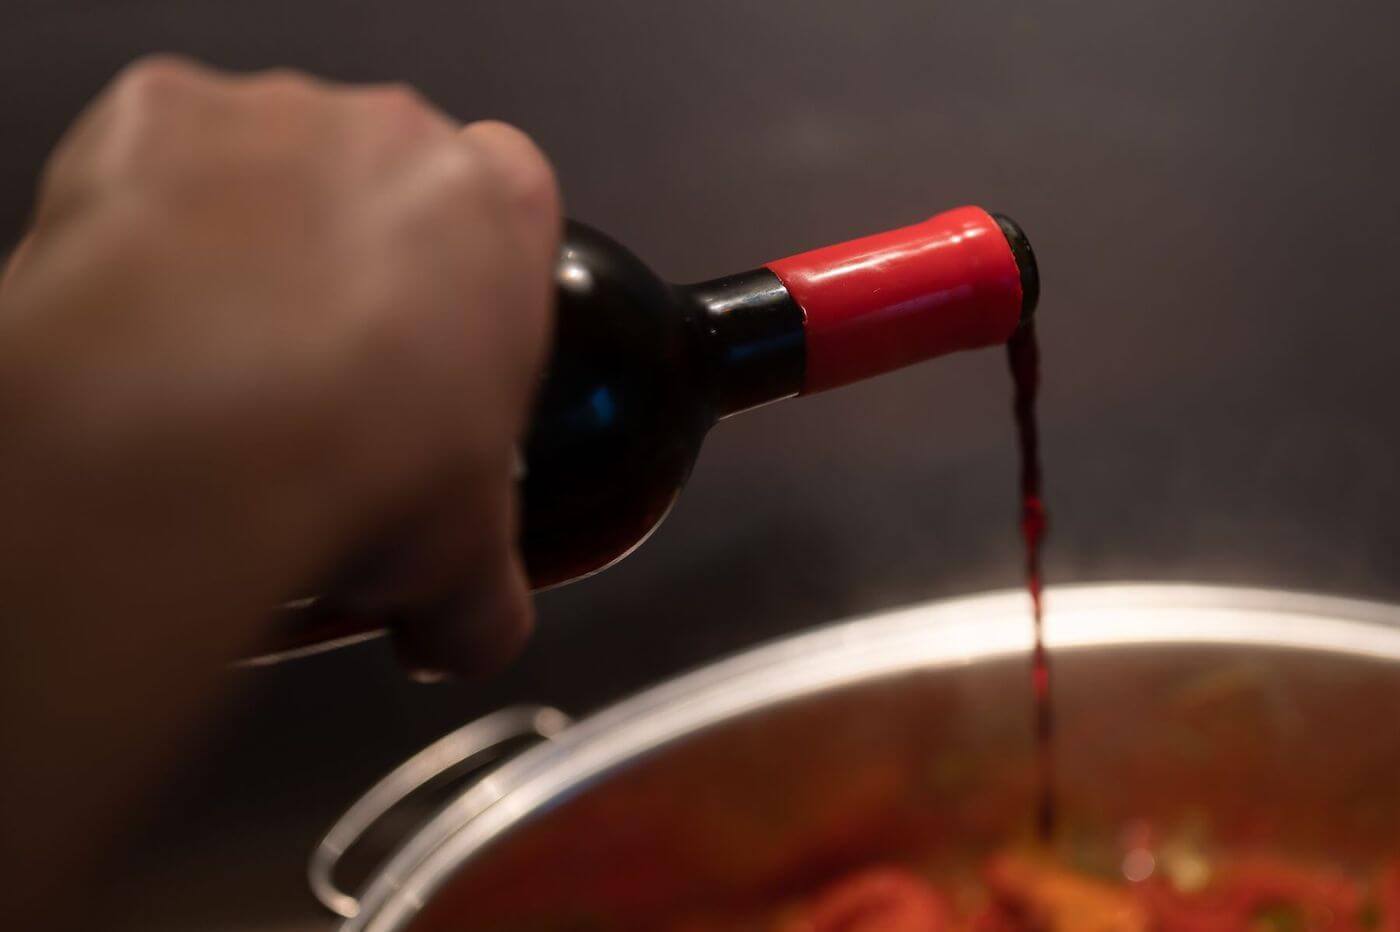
x,y
642,369
640,372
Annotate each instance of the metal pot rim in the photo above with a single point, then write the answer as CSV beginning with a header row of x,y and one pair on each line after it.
x,y
943,633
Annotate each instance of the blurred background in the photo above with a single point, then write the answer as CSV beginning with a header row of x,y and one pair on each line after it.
x,y
1211,189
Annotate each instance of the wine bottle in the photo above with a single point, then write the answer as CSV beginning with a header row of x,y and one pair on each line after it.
x,y
642,369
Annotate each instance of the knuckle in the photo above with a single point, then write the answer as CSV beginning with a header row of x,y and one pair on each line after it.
x,y
450,183
401,106
534,187
464,175
124,132
396,97
156,79
284,82
522,177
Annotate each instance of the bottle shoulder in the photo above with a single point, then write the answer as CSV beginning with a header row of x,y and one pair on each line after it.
x,y
620,416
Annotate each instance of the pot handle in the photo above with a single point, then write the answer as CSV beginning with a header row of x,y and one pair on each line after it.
x,y
456,752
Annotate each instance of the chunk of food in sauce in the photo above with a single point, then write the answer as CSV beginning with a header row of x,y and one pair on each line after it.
x,y
1027,892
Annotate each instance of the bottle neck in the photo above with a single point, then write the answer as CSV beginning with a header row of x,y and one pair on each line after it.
x,y
755,339
960,280
954,282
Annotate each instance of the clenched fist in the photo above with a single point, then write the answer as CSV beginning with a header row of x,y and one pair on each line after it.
x,y
258,323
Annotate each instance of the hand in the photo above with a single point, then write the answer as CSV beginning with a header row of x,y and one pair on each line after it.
x,y
258,322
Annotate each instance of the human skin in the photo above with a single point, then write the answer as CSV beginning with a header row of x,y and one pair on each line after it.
x,y
259,323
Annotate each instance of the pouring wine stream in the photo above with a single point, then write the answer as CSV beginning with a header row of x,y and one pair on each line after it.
x,y
1023,354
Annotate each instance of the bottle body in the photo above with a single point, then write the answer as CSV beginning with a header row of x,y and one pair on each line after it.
x,y
620,416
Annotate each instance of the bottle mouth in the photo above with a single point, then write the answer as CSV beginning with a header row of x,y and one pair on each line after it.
x,y
1025,263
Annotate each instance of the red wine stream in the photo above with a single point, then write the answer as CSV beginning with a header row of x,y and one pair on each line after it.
x,y
1023,354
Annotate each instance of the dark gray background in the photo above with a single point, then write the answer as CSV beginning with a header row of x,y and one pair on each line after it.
x,y
1211,191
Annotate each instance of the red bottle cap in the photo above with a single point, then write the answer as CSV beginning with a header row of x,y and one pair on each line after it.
x,y
886,301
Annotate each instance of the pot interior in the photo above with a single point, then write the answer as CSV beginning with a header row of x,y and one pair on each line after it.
x,y
1232,748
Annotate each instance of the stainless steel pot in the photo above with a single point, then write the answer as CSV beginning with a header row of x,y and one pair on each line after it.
x,y
1258,718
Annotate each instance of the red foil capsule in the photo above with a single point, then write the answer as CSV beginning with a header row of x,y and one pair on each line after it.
x,y
886,301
